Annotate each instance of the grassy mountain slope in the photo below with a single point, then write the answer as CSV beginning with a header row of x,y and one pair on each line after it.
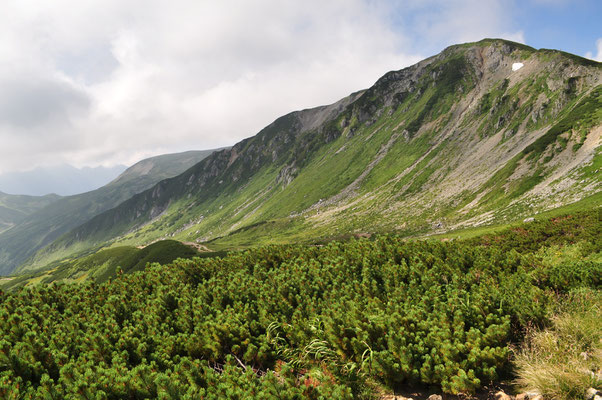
x,y
105,264
458,140
47,224
15,208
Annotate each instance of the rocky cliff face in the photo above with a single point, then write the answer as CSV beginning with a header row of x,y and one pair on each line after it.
x,y
483,132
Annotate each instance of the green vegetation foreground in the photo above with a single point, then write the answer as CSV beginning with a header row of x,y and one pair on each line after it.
x,y
336,321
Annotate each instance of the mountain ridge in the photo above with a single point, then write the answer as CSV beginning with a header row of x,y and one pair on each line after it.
x,y
50,222
458,139
64,180
15,208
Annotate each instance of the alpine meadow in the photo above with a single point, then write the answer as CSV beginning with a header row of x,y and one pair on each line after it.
x,y
435,236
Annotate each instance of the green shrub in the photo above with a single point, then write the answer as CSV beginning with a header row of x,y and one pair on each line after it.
x,y
328,321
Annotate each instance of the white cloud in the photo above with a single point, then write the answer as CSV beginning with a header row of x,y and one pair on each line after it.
x,y
598,56
110,81
439,23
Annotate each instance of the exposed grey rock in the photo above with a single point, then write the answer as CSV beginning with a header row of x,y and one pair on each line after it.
x,y
509,133
527,220
435,397
592,393
287,174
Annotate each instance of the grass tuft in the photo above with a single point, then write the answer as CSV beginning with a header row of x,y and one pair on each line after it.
x,y
563,361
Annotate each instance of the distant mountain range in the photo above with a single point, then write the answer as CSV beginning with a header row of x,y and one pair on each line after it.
x,y
63,180
15,208
481,133
46,219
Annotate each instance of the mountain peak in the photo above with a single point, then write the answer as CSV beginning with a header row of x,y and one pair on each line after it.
x,y
481,133
507,47
503,45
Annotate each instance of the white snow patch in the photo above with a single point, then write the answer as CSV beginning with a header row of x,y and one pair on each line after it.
x,y
517,66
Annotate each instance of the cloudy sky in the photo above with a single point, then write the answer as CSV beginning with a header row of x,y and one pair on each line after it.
x,y
103,82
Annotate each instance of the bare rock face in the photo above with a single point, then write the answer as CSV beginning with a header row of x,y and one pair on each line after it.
x,y
287,174
435,397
